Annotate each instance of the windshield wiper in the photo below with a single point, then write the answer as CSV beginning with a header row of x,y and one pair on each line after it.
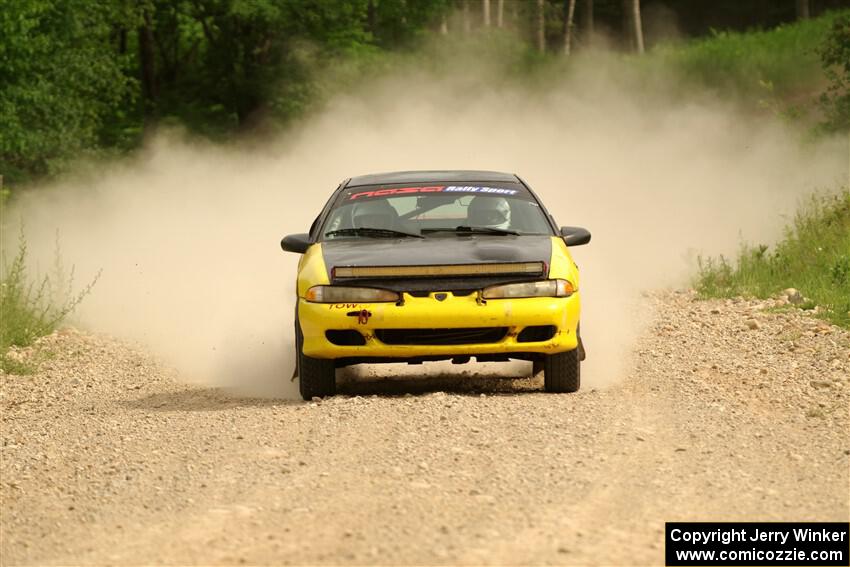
x,y
473,230
371,231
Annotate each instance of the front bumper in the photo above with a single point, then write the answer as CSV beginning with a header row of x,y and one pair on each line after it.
x,y
454,312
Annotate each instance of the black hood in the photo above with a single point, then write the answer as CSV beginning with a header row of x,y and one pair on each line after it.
x,y
473,249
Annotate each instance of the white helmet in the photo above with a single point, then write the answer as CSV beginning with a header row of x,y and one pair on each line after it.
x,y
491,212
377,213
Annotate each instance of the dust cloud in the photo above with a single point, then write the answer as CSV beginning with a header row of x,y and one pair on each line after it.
x,y
187,234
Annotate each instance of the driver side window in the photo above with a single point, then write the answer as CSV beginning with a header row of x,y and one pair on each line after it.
x,y
340,219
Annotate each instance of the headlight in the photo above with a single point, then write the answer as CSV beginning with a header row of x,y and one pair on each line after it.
x,y
341,294
547,288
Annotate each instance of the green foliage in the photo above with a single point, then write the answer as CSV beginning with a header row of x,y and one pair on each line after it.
x,y
31,308
835,55
401,23
814,257
62,89
780,63
244,54
784,70
225,66
81,78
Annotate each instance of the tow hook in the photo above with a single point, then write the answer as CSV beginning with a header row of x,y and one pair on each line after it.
x,y
362,316
479,298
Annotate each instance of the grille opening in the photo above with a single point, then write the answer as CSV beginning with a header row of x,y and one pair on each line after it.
x,y
441,336
463,292
536,334
345,338
455,292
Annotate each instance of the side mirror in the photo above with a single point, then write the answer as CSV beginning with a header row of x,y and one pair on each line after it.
x,y
575,235
297,243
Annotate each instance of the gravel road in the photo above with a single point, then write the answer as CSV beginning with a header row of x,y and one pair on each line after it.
x,y
730,412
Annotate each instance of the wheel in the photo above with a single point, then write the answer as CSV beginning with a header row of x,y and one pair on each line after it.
x,y
316,376
562,372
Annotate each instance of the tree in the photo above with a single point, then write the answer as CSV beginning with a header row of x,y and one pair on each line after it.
x,y
568,25
485,11
223,65
632,27
638,25
835,57
78,76
588,19
63,86
500,13
541,26
802,9
147,64
397,23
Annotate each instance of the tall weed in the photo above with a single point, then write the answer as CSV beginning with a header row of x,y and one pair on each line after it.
x,y
31,307
813,257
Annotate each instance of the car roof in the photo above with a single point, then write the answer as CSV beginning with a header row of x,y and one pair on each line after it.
x,y
431,176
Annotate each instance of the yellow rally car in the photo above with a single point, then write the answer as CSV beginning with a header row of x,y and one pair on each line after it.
x,y
435,265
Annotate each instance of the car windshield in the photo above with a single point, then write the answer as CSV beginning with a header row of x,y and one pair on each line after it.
x,y
408,211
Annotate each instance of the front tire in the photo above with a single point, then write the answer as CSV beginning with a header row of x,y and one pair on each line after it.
x,y
316,376
562,372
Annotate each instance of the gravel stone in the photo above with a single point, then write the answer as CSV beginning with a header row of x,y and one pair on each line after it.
x,y
107,458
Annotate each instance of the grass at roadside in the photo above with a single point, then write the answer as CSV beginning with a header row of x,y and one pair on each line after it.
x,y
785,57
32,307
813,257
778,68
